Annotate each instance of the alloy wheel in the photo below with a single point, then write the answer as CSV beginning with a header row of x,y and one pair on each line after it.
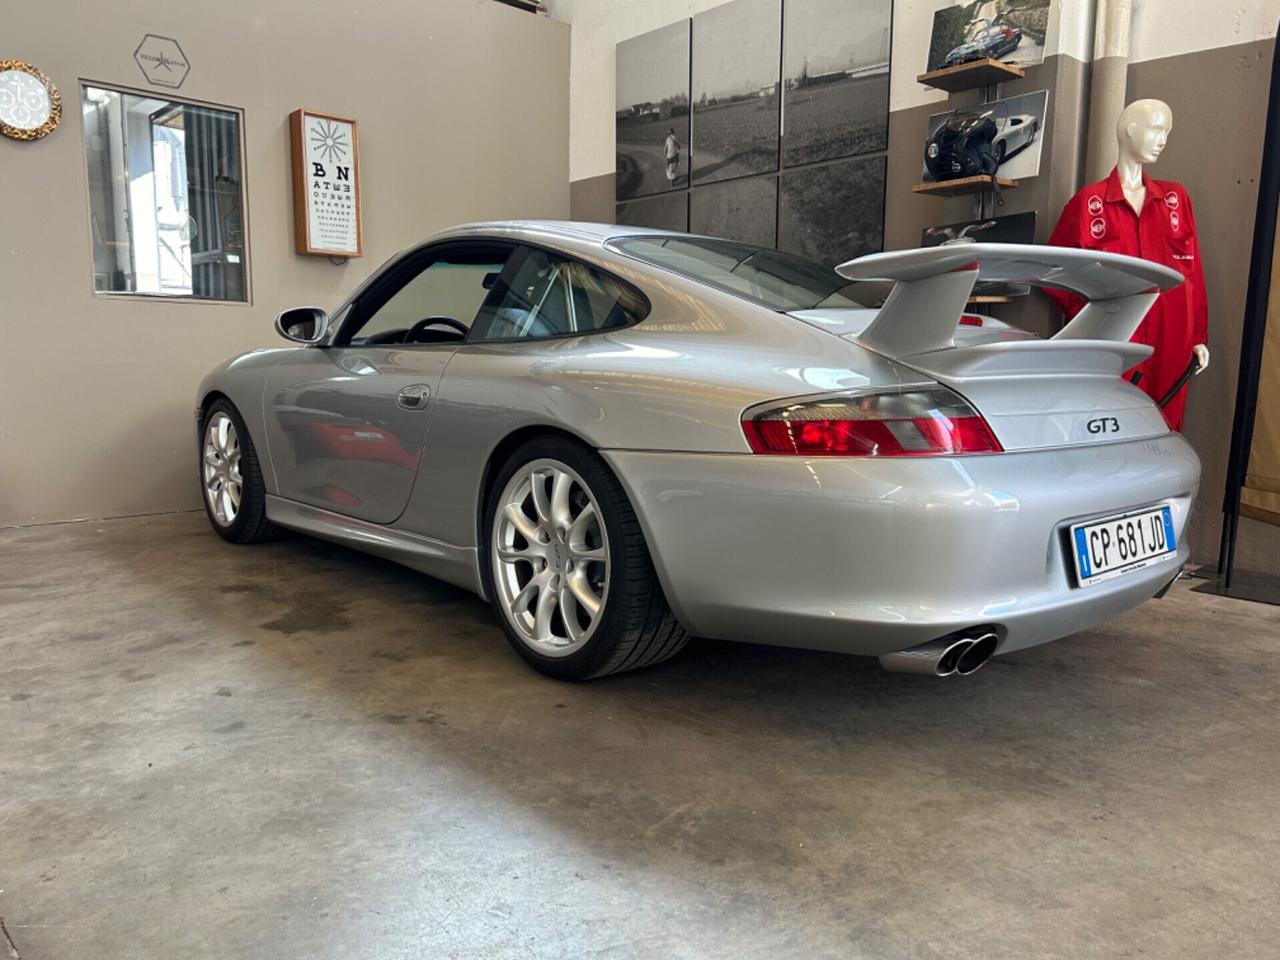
x,y
223,483
550,557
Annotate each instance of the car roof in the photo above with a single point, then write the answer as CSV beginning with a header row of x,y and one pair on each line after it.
x,y
576,237
578,230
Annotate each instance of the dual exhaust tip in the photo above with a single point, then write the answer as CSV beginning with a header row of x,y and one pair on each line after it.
x,y
960,655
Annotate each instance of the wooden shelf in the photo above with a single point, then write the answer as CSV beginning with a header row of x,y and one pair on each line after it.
x,y
967,76
962,186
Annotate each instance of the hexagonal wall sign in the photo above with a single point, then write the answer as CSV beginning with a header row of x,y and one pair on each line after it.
x,y
162,61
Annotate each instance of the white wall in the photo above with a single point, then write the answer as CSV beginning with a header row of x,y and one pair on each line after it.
x,y
1166,28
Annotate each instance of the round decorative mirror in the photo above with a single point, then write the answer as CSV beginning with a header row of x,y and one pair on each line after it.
x,y
30,105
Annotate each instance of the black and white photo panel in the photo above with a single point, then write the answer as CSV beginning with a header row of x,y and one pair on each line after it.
x,y
834,212
741,210
835,75
1002,138
652,112
1011,228
1009,30
669,212
735,89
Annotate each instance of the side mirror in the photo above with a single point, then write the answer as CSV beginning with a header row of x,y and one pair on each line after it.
x,y
305,325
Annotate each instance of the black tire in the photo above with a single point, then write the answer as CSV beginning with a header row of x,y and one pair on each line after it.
x,y
636,627
250,524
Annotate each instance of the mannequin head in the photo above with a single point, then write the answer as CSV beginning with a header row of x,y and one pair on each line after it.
x,y
1143,130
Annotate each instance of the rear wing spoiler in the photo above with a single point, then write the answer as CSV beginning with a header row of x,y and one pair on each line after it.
x,y
933,286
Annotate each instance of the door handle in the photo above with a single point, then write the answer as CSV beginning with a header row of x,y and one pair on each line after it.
x,y
413,397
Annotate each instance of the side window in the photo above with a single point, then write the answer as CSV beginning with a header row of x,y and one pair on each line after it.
x,y
543,294
449,286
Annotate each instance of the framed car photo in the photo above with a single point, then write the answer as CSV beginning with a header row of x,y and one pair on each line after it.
x,y
1001,138
1012,31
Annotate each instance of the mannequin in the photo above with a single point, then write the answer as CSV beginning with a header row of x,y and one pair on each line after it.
x,y
1141,135
1131,213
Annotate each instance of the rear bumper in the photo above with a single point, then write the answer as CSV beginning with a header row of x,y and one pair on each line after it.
x,y
871,556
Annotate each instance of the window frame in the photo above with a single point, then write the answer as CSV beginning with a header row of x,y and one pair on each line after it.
x,y
242,126
410,266
643,313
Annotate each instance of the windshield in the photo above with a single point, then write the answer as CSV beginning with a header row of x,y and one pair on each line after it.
x,y
775,280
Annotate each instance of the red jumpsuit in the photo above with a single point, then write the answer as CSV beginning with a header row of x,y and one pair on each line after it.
x,y
1099,217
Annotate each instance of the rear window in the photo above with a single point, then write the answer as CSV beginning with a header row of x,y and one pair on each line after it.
x,y
776,280
542,294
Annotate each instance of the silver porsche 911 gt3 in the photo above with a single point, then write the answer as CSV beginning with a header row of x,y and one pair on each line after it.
x,y
623,437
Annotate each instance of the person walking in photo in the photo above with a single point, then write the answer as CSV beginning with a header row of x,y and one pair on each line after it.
x,y
672,152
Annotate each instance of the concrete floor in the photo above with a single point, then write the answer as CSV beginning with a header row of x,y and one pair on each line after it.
x,y
296,751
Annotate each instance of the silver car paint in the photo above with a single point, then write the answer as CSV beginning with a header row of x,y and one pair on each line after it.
x,y
243,380
857,555
875,555
337,435
646,388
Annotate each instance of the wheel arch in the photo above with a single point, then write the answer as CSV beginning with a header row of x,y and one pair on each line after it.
x,y
207,400
675,630
211,397
513,440
241,397
498,456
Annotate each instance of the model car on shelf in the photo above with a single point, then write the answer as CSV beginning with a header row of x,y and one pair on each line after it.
x,y
624,437
990,41
976,141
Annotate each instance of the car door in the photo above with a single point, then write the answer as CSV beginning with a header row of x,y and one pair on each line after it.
x,y
347,422
547,309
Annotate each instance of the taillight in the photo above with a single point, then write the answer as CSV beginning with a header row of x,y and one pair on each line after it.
x,y
913,422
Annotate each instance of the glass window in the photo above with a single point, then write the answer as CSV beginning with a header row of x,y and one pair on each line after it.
x,y
451,287
166,197
544,294
776,280
443,286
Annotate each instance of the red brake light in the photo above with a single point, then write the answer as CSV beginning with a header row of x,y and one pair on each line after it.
x,y
928,422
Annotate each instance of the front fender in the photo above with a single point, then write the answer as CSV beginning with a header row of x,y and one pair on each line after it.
x,y
242,380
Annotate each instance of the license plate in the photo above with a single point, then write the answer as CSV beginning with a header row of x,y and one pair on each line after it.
x,y
1119,545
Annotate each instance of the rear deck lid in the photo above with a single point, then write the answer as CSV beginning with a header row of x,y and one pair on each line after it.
x,y
1067,390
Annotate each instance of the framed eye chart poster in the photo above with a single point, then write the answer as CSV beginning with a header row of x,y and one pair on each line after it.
x,y
326,185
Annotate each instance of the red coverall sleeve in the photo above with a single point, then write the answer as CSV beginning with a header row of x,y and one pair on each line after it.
x,y
1068,232
1197,303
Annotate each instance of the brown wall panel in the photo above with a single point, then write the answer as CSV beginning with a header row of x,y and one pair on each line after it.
x,y
1219,101
97,394
592,199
